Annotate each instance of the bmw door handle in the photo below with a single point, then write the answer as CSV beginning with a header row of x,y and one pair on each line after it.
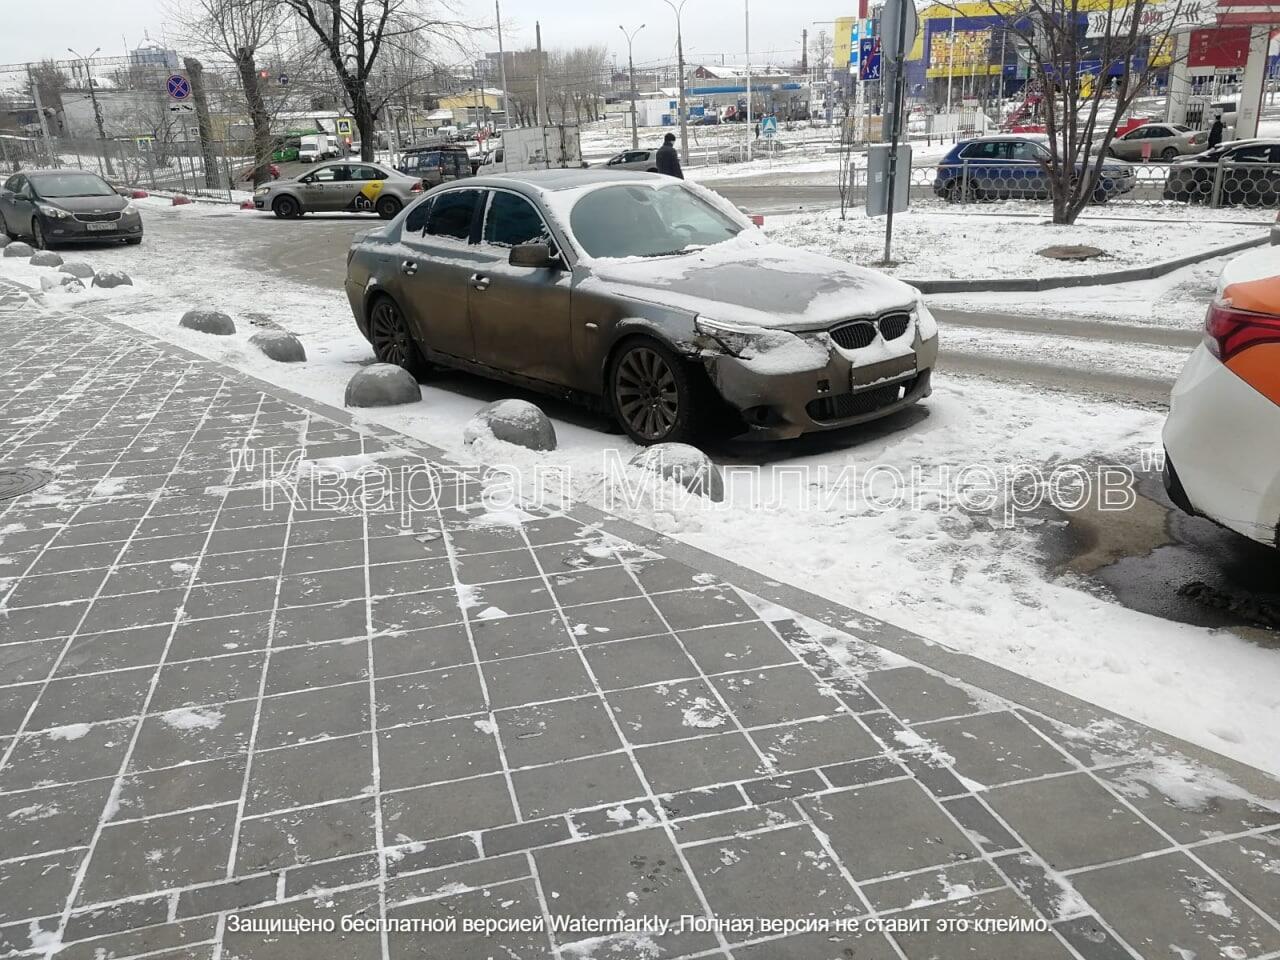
x,y
479,281
408,267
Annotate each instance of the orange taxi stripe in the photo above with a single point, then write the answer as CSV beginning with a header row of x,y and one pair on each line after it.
x,y
1259,366
1256,296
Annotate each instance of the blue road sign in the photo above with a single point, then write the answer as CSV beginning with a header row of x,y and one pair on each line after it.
x,y
768,127
179,87
870,60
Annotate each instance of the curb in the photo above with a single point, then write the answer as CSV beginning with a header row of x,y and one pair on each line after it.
x,y
1004,284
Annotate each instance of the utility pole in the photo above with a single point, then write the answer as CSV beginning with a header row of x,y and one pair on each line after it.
x,y
804,52
541,91
502,61
631,67
684,115
746,25
97,110
951,58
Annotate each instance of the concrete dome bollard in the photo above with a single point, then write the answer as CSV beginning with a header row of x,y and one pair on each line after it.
x,y
280,346
78,269
208,321
111,278
45,258
382,385
513,421
688,466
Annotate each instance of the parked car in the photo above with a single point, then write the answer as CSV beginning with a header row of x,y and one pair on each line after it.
x,y
1245,172
246,175
645,160
436,163
1015,168
1165,141
66,206
652,298
1222,435
357,186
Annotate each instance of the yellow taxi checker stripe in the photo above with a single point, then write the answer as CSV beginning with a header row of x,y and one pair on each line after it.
x,y
372,189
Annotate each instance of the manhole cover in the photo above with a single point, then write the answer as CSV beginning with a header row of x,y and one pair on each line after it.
x,y
15,481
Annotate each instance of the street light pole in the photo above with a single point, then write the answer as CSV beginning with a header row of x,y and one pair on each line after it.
x,y
631,68
502,61
951,59
684,116
97,110
746,26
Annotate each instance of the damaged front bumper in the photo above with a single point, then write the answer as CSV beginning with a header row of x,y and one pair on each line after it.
x,y
779,404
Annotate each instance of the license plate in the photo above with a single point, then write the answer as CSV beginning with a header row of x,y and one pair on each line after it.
x,y
100,225
882,373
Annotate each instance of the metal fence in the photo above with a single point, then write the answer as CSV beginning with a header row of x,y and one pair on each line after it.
x,y
214,169
1217,184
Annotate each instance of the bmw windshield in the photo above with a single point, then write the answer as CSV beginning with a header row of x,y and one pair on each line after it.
x,y
630,220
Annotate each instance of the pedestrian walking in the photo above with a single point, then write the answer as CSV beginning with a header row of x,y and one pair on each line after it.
x,y
1216,131
668,159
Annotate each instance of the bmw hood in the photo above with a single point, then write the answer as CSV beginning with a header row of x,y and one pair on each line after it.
x,y
751,280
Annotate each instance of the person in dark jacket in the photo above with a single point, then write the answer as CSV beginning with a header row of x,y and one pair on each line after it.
x,y
668,159
1215,132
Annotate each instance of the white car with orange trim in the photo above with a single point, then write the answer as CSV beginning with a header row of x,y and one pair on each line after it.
x,y
1222,436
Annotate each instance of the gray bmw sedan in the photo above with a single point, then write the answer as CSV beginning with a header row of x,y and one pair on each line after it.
x,y
654,299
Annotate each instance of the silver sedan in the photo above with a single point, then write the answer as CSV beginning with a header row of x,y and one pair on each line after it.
x,y
355,186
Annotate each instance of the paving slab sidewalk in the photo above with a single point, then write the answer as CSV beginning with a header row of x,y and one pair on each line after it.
x,y
219,719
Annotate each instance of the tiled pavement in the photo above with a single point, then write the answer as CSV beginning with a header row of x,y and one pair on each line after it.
x,y
211,711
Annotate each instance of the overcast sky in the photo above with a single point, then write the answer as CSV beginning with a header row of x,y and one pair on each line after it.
x,y
711,27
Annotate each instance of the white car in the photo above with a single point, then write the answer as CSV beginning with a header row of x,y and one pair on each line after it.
x,y
1222,436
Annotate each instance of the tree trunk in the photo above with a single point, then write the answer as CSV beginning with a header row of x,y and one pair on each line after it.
x,y
365,120
247,68
204,127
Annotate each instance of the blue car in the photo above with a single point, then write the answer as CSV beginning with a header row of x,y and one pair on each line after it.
x,y
1013,168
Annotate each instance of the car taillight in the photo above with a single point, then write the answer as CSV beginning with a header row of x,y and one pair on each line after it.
x,y
1227,330
416,188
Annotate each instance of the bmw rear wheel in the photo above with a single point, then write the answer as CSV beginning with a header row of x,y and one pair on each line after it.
x,y
651,392
390,337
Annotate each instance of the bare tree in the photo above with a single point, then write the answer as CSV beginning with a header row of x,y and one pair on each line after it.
x,y
237,30
1064,40
353,34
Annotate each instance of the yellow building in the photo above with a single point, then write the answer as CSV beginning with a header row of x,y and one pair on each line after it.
x,y
476,105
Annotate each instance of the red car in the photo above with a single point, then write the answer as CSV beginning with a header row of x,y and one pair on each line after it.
x,y
246,175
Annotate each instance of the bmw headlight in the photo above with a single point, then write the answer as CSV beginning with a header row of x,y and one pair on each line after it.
x,y
56,213
736,338
926,324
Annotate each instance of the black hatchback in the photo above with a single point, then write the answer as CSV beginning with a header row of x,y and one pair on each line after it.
x,y
66,206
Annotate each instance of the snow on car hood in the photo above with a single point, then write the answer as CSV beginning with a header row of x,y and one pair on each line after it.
x,y
1255,265
752,280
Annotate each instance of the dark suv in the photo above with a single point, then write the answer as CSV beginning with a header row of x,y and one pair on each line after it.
x,y
1245,172
435,163
66,206
1013,168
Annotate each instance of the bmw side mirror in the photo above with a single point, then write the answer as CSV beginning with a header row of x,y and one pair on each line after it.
x,y
537,255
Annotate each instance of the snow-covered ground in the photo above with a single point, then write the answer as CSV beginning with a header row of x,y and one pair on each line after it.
x,y
931,244
960,578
